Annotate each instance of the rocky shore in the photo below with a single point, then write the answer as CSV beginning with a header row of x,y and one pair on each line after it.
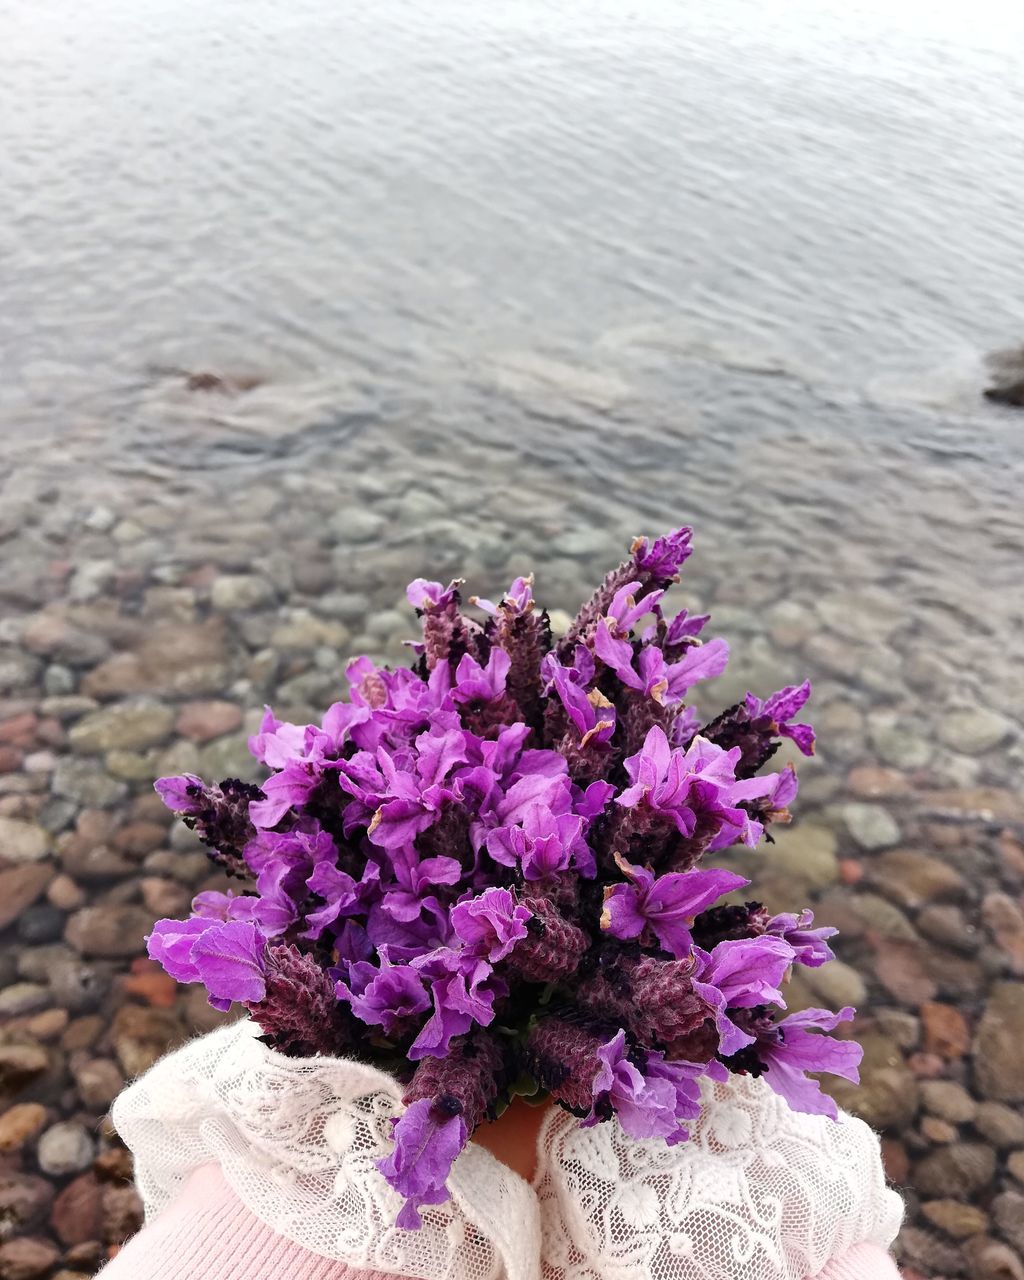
x,y
134,643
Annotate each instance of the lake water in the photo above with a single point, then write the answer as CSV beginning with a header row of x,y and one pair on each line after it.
x,y
498,286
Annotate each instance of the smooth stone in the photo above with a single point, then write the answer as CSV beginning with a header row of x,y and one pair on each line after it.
x,y
109,930
888,1095
98,1081
806,852
20,886
961,1170
900,746
203,721
347,606
86,782
913,878
1004,920
23,841
140,1035
41,923
356,524
949,1101
974,730
127,726
20,1124
235,591
27,1258
1003,1126
64,1149
998,1044
992,1260
837,984
948,925
58,681
1008,1211
22,998
871,826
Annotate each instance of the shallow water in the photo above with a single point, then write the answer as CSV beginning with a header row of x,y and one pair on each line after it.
x,y
496,288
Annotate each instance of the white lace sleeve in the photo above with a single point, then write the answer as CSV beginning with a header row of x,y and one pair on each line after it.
x,y
758,1193
297,1140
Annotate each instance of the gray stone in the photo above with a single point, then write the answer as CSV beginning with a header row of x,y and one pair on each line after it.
x,y
900,746
806,852
23,841
997,1044
18,671
58,680
109,929
23,997
1003,1126
66,1148
948,924
871,826
98,1080
356,524
949,1101
126,726
236,591
974,730
913,878
84,781
1008,1211
960,1171
837,984
90,579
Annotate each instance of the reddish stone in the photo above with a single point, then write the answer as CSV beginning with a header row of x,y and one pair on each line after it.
x,y
122,1213
873,783
10,759
25,1258
927,1066
140,838
203,721
901,970
51,732
115,1165
1011,854
152,985
895,1160
19,730
851,870
77,1212
945,1029
1005,921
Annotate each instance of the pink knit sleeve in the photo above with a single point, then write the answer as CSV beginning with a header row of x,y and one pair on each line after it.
x,y
207,1233
863,1262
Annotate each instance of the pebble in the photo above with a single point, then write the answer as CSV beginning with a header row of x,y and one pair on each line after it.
x,y
235,591
1015,1164
1004,920
837,984
997,1044
959,1171
20,887
945,1029
86,782
955,1218
202,721
76,1215
98,1081
22,998
901,1027
66,1148
1003,1126
27,1258
901,969
20,1124
41,923
126,726
993,1260
900,746
23,841
949,926
888,1095
140,1036
20,1064
871,826
1008,1211
347,606
974,730
109,930
805,853
913,878
948,1100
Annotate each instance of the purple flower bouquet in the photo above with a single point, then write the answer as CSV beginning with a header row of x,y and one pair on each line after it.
x,y
486,874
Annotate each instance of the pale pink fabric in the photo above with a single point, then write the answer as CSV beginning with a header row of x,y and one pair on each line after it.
x,y
864,1262
208,1234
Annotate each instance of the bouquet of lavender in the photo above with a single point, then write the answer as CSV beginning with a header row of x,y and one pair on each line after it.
x,y
484,873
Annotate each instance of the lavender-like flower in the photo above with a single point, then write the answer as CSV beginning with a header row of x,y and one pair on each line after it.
x,y
219,815
552,947
298,1012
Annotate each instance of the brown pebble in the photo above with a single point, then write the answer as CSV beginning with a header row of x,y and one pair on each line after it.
x,y
1004,919
204,721
48,1025
895,1161
20,1064
140,838
142,1035
19,1124
83,1032
958,1171
1002,1125
926,1066
64,894
957,1219
945,1030
992,1260
938,1131
122,1212
26,1258
114,1165
76,1213
20,887
99,1082
88,1255
902,971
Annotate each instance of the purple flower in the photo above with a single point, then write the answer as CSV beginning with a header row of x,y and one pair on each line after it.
x,y
384,996
661,560
182,794
780,708
809,945
684,1079
428,1137
474,683
424,595
228,958
590,711
301,770
214,905
646,1108
741,975
490,924
665,904
793,1048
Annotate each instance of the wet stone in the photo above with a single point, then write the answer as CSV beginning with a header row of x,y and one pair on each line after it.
x,y
22,998
76,1216
20,887
109,930
23,841
945,1030
974,730
913,878
84,781
902,1027
959,1171
949,1101
997,1044
128,726
1004,920
27,1258
871,826
888,1095
202,721
20,1124
141,1035
64,1149
1015,1165
237,591
900,746
902,970
41,923
947,925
